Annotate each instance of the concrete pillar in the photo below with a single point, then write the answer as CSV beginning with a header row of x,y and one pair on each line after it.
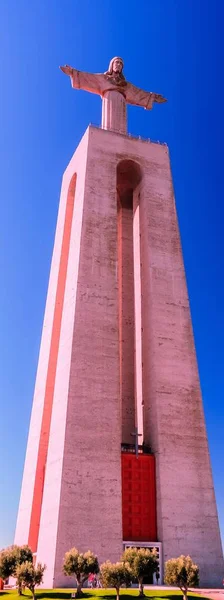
x,y
114,112
72,473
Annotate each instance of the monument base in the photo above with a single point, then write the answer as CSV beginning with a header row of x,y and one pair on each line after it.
x,y
72,488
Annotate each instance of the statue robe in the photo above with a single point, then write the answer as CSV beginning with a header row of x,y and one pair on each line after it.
x,y
97,83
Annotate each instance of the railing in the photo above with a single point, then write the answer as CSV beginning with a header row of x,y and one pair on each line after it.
x,y
131,448
130,135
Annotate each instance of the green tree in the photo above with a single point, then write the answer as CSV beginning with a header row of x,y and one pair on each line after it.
x,y
143,563
115,575
7,562
29,576
81,566
11,557
182,572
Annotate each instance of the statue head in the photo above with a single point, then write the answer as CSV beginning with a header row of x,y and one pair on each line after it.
x,y
115,70
116,65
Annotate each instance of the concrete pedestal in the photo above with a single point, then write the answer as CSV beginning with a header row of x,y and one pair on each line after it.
x,y
71,493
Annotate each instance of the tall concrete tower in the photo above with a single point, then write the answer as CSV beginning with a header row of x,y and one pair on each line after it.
x,y
117,452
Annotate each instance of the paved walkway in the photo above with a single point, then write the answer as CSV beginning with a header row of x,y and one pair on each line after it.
x,y
214,594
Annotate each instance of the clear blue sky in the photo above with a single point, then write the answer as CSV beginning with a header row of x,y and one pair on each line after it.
x,y
173,47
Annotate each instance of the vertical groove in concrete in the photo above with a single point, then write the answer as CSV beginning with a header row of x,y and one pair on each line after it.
x,y
51,373
126,315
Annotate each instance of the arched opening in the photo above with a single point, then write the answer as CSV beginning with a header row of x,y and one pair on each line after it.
x,y
137,462
128,178
128,185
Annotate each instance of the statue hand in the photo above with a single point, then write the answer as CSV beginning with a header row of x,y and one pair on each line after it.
x,y
67,70
159,98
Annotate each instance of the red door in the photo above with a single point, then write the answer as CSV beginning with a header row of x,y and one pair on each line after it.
x,y
138,497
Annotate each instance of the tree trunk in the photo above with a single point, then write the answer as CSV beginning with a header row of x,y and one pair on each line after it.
x,y
32,589
184,595
20,589
141,587
79,592
117,590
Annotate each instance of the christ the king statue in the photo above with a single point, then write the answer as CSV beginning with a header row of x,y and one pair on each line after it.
x,y
115,92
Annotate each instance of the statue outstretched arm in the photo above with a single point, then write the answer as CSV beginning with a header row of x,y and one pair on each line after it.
x,y
138,97
90,82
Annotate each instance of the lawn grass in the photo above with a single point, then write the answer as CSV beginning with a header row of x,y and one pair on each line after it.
x,y
109,594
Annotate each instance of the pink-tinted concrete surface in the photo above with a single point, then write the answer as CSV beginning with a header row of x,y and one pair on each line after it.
x,y
88,500
82,489
51,373
114,112
27,492
214,595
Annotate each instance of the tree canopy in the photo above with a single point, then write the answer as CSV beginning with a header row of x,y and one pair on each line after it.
x,y
29,575
80,565
115,575
182,572
12,556
143,563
